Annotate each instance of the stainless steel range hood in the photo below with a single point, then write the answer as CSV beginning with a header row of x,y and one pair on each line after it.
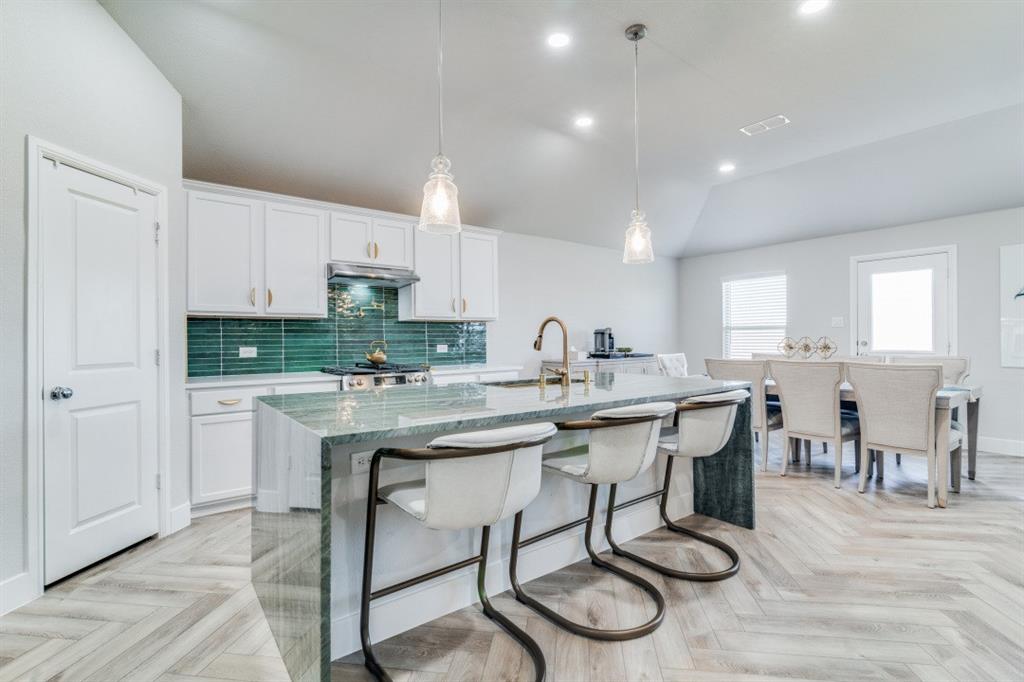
x,y
371,275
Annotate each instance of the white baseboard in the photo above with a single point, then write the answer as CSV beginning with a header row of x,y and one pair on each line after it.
x,y
233,504
17,591
402,611
180,517
1001,446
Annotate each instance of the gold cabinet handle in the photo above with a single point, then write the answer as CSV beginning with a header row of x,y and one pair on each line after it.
x,y
252,297
270,297
376,250
464,304
233,401
453,305
369,249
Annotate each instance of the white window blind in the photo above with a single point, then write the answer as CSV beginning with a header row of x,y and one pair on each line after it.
x,y
753,315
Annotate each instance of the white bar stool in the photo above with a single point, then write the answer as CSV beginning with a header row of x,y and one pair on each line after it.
x,y
472,480
704,427
623,444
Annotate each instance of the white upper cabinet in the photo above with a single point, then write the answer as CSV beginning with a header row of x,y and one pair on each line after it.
x,y
478,256
371,240
435,295
295,239
458,277
224,253
393,242
351,237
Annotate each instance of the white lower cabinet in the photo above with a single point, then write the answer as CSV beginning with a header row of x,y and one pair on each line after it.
x,y
221,457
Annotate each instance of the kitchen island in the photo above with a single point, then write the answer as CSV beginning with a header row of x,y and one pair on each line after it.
x,y
308,525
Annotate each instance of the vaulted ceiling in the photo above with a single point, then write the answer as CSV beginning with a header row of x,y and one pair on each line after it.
x,y
901,110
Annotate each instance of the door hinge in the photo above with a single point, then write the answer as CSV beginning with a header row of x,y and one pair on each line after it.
x,y
156,232
156,357
158,481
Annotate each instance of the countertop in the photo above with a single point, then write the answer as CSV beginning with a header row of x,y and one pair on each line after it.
x,y
360,416
441,370
233,380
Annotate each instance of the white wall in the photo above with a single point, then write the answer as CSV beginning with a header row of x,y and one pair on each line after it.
x,y
72,77
588,287
818,279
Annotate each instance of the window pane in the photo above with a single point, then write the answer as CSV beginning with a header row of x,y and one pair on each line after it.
x,y
741,344
753,315
901,311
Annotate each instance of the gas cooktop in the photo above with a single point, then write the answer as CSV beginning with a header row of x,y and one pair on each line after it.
x,y
368,368
364,375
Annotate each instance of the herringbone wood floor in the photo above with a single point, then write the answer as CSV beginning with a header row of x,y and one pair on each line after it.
x,y
834,585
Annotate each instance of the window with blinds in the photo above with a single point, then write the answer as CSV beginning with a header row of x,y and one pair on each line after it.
x,y
753,315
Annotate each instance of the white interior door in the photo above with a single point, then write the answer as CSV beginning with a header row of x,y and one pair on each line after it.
x,y
99,327
903,305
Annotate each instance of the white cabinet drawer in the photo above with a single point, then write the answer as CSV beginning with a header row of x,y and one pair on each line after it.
x,y
308,387
226,400
456,379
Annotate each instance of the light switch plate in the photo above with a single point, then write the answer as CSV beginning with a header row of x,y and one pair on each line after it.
x,y
442,348
247,351
838,322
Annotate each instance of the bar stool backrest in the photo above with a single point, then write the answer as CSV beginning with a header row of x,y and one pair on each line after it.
x,y
754,371
954,368
672,364
622,452
896,404
470,492
810,395
705,423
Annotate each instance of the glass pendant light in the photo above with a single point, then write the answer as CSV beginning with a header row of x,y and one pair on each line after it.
x,y
638,248
440,211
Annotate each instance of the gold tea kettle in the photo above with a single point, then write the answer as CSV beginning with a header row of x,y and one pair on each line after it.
x,y
378,356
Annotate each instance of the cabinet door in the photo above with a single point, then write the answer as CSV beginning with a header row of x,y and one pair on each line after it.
x,y
221,457
351,238
392,242
437,260
294,263
479,276
223,255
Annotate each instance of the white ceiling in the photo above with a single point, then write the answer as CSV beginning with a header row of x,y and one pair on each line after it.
x,y
894,109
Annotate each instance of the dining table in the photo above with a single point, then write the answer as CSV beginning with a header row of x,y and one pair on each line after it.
x,y
947,400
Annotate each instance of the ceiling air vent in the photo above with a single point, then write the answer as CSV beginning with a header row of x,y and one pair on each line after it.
x,y
764,126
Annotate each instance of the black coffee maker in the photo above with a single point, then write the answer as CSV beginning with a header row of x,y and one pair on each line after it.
x,y
604,340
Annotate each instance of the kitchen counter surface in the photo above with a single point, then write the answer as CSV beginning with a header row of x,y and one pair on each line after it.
x,y
360,416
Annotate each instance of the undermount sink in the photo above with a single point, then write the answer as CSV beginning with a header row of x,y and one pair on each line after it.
x,y
535,383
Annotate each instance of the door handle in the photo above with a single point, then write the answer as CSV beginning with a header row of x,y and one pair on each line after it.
x,y
252,297
61,393
464,304
233,401
270,297
376,250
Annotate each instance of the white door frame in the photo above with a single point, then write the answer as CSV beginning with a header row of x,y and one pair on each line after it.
x,y
954,321
39,152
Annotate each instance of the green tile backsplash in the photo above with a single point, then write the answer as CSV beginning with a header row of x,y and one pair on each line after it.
x,y
340,339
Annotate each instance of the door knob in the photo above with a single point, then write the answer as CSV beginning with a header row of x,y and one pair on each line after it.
x,y
61,393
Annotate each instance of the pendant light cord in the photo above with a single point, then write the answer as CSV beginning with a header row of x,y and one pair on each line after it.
x,y
440,76
636,121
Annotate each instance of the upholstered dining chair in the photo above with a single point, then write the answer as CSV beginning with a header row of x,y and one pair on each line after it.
x,y
811,407
764,418
955,368
897,405
672,364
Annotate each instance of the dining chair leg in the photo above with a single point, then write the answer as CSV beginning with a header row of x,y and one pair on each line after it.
x,y
942,475
856,456
824,447
787,451
839,461
862,454
931,481
899,459
764,448
807,450
957,464
879,465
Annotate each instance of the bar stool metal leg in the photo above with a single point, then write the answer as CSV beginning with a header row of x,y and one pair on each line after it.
x,y
558,619
700,537
369,659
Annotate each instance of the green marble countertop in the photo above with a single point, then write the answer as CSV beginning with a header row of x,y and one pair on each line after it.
x,y
398,411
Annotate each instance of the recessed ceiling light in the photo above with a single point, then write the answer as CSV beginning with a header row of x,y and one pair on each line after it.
x,y
583,121
559,40
813,6
727,167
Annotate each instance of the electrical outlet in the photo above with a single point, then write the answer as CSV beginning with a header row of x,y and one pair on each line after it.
x,y
442,348
247,351
361,461
838,322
